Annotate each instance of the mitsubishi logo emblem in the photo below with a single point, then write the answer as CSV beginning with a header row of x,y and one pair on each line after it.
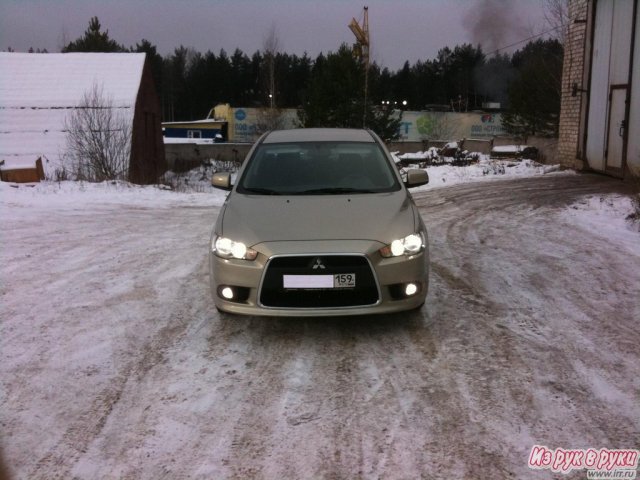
x,y
317,264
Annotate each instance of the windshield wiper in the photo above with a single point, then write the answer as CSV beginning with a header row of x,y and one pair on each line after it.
x,y
333,190
261,191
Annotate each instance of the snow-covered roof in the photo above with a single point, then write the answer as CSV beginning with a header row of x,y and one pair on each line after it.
x,y
206,121
60,79
38,91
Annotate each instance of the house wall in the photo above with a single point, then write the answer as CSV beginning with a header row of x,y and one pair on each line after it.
x,y
147,147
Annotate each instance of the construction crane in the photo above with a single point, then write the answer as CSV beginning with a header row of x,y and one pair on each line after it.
x,y
361,50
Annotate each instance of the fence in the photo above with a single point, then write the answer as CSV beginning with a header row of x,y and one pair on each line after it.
x,y
185,156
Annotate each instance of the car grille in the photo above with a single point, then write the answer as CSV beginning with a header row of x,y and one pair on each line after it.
x,y
273,293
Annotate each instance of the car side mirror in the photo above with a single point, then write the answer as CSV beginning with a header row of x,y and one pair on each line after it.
x,y
222,180
416,177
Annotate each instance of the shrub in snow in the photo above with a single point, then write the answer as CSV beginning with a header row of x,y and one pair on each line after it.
x,y
493,168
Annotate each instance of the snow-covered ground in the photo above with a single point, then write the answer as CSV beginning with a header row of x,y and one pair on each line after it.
x,y
115,364
487,170
69,195
607,215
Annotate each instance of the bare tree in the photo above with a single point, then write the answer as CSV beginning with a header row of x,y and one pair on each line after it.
x,y
271,47
98,138
556,15
63,38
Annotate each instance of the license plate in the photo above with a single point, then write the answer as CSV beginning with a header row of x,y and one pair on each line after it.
x,y
338,280
344,280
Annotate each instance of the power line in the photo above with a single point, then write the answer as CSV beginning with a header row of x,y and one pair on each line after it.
x,y
526,39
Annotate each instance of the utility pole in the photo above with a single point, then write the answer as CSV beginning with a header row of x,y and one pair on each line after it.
x,y
361,50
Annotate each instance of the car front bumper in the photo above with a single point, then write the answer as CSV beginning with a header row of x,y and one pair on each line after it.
x,y
390,275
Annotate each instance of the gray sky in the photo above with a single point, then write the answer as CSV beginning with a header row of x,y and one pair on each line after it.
x,y
400,30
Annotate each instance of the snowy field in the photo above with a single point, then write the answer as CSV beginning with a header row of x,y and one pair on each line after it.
x,y
115,364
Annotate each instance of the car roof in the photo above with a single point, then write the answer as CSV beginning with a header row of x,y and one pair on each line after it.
x,y
319,135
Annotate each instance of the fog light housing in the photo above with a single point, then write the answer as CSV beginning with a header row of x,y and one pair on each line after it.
x,y
227,292
410,289
400,291
233,294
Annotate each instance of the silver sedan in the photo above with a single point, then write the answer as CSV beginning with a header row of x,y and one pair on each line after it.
x,y
319,223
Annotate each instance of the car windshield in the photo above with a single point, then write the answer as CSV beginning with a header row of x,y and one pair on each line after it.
x,y
318,168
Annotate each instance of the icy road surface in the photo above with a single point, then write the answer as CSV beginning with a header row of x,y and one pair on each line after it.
x,y
115,364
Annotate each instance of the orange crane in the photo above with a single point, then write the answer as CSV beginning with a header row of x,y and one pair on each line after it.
x,y
361,50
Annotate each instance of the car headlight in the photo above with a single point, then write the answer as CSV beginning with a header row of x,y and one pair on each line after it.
x,y
409,245
227,248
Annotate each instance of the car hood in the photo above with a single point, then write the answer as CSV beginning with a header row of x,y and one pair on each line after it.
x,y
254,219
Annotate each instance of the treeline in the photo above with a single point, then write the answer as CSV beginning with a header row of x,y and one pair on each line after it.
x,y
525,84
329,89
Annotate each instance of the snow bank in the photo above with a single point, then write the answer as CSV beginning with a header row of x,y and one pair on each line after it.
x,y
78,195
485,169
431,153
606,215
509,148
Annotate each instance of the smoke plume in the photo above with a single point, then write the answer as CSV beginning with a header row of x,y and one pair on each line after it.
x,y
493,24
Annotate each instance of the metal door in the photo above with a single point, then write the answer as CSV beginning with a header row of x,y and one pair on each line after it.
x,y
608,90
616,131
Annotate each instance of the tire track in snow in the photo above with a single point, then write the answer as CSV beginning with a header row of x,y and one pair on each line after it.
x,y
77,438
511,323
135,364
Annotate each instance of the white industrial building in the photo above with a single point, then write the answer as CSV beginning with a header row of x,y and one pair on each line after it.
x,y
600,113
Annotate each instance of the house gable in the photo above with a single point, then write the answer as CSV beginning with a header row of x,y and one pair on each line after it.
x,y
39,91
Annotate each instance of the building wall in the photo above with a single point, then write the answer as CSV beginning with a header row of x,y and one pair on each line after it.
x,y
573,72
600,109
449,126
633,147
247,124
609,50
147,146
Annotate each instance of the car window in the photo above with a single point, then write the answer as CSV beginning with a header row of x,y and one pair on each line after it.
x,y
316,168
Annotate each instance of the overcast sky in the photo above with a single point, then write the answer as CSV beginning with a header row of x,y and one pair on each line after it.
x,y
400,29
